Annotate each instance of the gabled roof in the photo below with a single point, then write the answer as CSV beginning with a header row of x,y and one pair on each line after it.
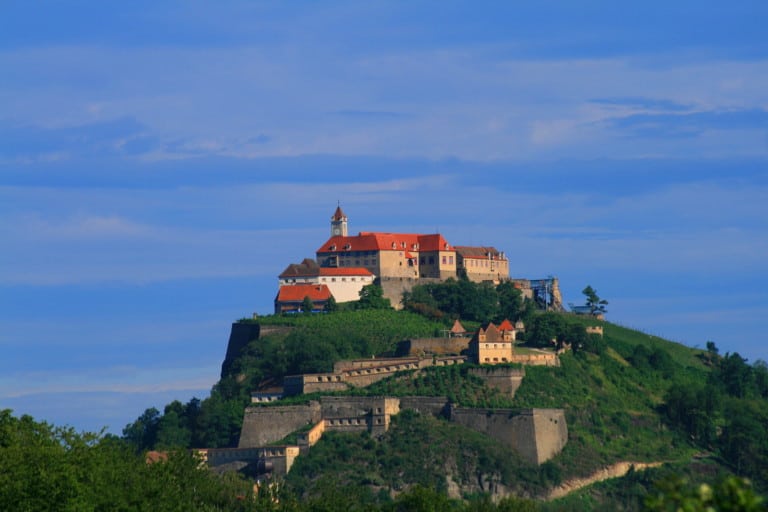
x,y
297,292
492,334
309,268
466,251
374,241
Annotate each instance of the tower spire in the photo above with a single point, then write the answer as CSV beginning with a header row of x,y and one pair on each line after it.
x,y
339,222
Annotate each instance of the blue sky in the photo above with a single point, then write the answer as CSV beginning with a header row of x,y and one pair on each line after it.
x,y
162,162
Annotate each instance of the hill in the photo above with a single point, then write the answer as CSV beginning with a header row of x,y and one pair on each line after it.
x,y
628,397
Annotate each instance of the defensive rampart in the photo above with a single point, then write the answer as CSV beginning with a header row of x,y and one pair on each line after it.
x,y
505,379
536,434
360,373
536,359
265,425
420,347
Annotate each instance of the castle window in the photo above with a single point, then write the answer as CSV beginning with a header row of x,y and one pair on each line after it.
x,y
333,279
450,260
431,260
445,260
343,279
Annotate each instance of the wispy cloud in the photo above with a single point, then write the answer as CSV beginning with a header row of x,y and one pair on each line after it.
x,y
688,124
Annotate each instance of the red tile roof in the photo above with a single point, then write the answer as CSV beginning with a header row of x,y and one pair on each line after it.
x,y
297,292
457,327
506,325
372,241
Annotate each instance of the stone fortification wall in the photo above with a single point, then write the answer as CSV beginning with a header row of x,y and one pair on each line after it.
x,y
359,413
550,432
536,359
536,434
436,346
265,425
275,459
239,336
308,439
393,287
357,364
433,405
313,382
505,379
360,373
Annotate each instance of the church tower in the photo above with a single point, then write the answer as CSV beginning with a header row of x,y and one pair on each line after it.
x,y
339,223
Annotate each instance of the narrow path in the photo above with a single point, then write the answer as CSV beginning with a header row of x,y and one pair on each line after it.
x,y
613,471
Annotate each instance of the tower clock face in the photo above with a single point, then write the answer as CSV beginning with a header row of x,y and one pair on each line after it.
x,y
336,231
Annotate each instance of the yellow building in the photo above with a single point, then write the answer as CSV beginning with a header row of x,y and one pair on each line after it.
x,y
480,264
493,345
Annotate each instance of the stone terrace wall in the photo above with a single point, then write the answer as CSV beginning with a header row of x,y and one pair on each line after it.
x,y
536,434
437,346
506,380
536,359
265,425
356,364
434,405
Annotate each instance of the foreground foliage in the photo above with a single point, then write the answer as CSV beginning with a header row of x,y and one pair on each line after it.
x,y
52,468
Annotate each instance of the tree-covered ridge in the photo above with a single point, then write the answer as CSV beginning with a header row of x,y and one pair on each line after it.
x,y
46,468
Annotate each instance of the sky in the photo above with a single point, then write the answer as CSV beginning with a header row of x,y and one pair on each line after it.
x,y
162,162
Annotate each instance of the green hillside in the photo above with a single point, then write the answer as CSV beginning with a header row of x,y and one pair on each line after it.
x,y
628,397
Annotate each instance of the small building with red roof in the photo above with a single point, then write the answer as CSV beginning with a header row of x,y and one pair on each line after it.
x,y
290,298
344,283
492,344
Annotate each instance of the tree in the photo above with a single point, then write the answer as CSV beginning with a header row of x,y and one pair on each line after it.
x,y
307,305
731,493
372,297
596,304
510,301
331,305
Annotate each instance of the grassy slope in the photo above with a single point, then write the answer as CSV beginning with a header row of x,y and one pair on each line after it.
x,y
611,402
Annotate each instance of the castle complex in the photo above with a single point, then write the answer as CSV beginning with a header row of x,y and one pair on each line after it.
x,y
343,265
398,261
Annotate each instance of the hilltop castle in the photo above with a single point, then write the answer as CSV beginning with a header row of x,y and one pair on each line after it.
x,y
398,261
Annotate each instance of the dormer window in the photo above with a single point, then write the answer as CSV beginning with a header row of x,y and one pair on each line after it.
x,y
394,245
332,248
347,247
